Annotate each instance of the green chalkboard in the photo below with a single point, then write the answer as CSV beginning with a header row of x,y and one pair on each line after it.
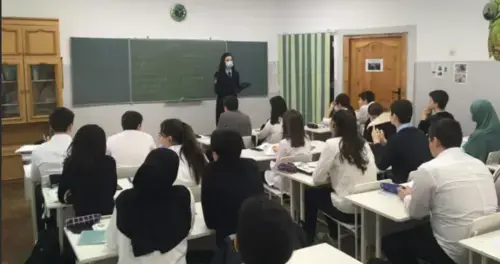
x,y
172,70
250,59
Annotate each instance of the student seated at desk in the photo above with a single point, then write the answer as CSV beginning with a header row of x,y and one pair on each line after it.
x,y
486,137
365,100
131,146
272,131
179,137
227,182
404,151
152,220
88,180
346,161
438,99
233,119
48,158
453,189
294,143
378,120
341,102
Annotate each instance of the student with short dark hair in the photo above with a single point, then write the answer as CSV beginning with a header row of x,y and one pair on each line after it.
x,y
378,120
131,146
366,98
404,151
272,130
227,182
234,119
294,143
179,137
89,178
341,102
453,189
435,110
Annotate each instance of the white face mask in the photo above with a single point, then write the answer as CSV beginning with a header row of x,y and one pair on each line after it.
x,y
229,64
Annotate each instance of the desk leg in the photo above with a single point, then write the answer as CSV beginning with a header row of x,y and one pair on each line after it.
x,y
356,248
377,237
33,215
484,260
302,203
363,236
292,199
60,225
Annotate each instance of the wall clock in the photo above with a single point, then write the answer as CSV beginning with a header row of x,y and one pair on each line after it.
x,y
178,12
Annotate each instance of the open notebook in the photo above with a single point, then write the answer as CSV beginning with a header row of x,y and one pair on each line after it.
x,y
307,168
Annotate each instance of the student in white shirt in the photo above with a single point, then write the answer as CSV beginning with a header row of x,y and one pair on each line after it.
x,y
152,221
179,137
346,161
453,189
366,98
272,131
47,158
131,146
294,143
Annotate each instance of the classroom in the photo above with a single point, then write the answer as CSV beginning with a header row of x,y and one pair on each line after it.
x,y
292,81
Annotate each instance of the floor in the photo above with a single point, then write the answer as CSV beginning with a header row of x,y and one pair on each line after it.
x,y
17,238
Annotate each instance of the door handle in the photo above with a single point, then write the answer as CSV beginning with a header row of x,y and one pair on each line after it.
x,y
397,93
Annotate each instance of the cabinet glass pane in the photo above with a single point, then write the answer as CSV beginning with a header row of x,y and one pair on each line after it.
x,y
10,86
43,84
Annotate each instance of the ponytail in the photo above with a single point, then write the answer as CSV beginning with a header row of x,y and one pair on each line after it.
x,y
192,151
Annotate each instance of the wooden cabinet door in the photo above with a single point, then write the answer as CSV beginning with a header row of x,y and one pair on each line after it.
x,y
12,164
13,91
42,40
43,84
11,40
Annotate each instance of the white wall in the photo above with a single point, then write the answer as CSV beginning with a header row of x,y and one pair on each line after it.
x,y
216,19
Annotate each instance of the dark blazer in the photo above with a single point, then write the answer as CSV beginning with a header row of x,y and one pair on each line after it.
x,y
388,129
404,152
91,188
224,188
225,85
424,125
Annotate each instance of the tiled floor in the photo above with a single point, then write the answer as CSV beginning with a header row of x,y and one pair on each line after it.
x,y
17,238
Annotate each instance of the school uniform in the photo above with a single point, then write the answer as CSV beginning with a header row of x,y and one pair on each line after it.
x,y
363,116
382,122
404,152
185,174
226,83
47,158
424,125
271,133
130,147
236,121
342,176
454,189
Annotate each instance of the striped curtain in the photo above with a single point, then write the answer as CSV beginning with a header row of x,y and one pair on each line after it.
x,y
304,73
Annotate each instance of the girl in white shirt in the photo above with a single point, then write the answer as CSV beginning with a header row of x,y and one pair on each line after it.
x,y
151,221
294,143
272,131
179,137
346,161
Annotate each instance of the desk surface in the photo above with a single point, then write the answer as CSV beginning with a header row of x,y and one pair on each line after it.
x,y
486,244
298,177
321,254
382,203
320,130
26,149
262,156
92,253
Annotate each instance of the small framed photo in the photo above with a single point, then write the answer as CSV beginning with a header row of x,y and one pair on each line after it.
x,y
374,65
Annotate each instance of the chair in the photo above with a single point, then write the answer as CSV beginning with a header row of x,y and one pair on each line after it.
x,y
483,225
496,175
493,158
354,228
126,171
271,191
247,141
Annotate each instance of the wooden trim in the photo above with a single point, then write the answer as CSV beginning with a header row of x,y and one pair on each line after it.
x,y
388,35
404,64
347,70
9,151
26,21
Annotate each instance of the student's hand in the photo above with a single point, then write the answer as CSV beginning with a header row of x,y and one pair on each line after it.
x,y
332,107
381,136
403,192
378,136
426,112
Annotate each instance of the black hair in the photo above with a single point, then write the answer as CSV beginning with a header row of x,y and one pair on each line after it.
x,y
448,132
131,120
368,96
88,146
439,97
344,101
183,135
228,144
352,144
278,108
259,215
375,109
403,110
293,128
222,63
231,103
60,119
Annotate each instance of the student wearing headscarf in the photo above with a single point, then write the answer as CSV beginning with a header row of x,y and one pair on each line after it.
x,y
151,221
486,137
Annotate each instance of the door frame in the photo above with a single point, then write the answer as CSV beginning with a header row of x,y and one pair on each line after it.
x,y
411,53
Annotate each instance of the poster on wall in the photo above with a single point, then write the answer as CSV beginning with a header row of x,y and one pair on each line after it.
x,y
460,73
374,65
439,70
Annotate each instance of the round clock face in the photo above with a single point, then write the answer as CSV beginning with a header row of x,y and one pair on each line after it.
x,y
178,12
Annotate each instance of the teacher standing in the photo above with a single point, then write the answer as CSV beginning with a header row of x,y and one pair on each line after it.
x,y
226,83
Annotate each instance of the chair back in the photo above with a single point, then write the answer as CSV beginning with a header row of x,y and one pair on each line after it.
x,y
369,186
126,171
196,191
485,224
496,174
247,141
493,158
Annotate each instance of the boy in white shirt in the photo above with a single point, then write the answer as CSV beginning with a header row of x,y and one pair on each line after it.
x,y
366,98
131,146
454,189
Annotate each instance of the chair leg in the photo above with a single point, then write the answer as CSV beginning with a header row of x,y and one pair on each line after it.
x,y
339,237
356,246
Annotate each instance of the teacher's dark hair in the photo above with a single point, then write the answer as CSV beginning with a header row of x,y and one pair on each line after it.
x,y
278,109
222,64
352,145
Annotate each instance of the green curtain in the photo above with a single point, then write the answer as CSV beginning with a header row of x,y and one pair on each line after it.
x,y
304,73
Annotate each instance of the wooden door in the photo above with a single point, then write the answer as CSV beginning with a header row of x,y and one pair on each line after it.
x,y
13,91
41,40
11,40
376,63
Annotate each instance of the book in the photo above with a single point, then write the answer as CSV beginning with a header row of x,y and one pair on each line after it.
x,y
92,237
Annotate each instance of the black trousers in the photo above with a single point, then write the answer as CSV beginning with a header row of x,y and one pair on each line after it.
x,y
319,199
219,108
407,247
